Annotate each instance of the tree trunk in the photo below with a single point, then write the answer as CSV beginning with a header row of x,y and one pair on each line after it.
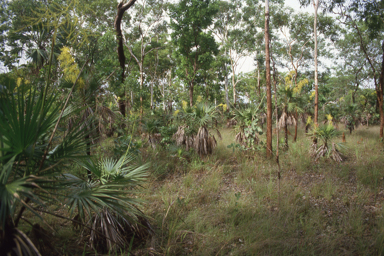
x,y
169,92
121,8
141,87
191,94
226,84
258,80
379,93
132,98
316,6
297,120
164,107
233,84
268,82
286,134
151,95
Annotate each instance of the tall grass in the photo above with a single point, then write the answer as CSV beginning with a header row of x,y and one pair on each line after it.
x,y
229,202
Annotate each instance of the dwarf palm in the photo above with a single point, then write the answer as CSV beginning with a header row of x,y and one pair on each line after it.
x,y
112,226
32,171
27,168
290,110
326,134
247,127
194,128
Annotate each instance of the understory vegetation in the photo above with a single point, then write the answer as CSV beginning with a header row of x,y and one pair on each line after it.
x,y
228,203
191,127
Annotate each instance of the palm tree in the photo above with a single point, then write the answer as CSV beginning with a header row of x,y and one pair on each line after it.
x,y
290,110
326,134
112,228
33,171
193,130
247,127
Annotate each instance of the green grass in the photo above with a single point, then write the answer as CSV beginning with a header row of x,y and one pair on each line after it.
x,y
228,203
231,205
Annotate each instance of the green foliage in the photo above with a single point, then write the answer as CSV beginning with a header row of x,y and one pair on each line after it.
x,y
166,134
247,127
32,171
193,131
326,134
124,143
194,47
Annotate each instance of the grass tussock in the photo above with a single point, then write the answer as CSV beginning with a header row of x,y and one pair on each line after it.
x,y
228,204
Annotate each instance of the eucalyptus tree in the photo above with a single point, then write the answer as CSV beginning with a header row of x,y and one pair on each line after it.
x,y
157,65
221,29
253,19
365,20
316,7
148,21
232,32
268,82
195,46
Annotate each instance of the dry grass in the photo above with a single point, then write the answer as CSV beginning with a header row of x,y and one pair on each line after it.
x,y
227,204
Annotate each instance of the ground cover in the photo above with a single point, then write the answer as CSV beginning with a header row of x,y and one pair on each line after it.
x,y
228,203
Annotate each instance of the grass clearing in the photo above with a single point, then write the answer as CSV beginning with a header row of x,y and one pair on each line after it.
x,y
228,203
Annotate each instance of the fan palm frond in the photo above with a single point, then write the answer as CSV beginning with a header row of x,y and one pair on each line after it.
x,y
114,175
111,231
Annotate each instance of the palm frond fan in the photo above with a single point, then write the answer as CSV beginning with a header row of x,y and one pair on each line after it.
x,y
112,231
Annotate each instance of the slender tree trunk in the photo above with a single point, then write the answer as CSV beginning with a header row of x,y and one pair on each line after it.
x,y
379,94
132,98
226,83
316,6
286,134
258,80
121,8
277,135
169,92
233,83
151,94
268,81
164,104
297,120
141,86
191,94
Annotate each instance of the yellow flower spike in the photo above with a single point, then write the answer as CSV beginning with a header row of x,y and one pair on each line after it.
x,y
309,120
312,95
176,112
184,104
18,81
69,66
199,98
